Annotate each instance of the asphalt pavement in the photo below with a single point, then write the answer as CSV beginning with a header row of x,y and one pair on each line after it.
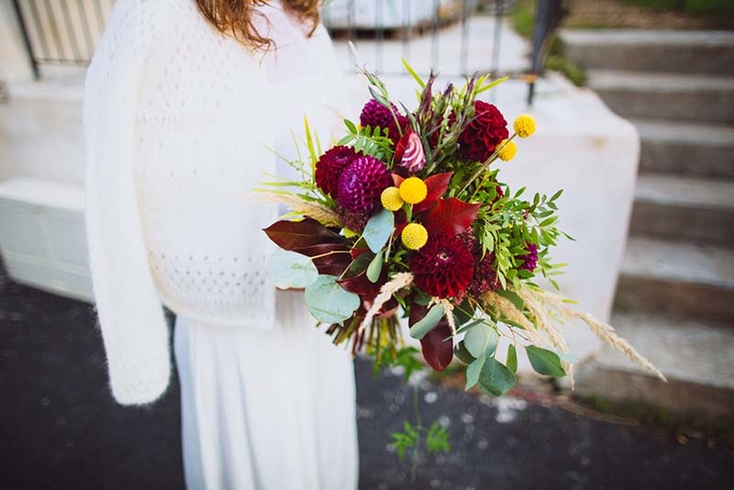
x,y
61,429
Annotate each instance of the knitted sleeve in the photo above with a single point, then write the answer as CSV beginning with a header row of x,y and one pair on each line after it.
x,y
131,318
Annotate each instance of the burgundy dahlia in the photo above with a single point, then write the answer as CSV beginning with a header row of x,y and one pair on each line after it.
x,y
485,131
330,167
530,261
376,115
444,267
361,183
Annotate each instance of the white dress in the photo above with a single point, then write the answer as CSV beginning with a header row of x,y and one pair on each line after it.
x,y
264,406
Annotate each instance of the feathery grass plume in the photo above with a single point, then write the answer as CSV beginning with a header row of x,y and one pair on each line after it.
x,y
602,330
543,320
401,281
504,308
448,310
298,206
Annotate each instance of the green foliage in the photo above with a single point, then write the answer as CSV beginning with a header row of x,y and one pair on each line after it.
x,y
436,439
370,141
427,323
291,269
544,361
407,439
379,229
328,302
406,357
495,378
688,6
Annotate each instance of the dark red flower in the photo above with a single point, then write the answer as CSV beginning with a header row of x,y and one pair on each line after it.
x,y
330,167
530,261
485,277
393,132
361,184
485,131
376,115
444,267
355,221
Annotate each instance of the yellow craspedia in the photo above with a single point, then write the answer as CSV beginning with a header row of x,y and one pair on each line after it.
x,y
413,190
508,151
524,125
391,199
414,236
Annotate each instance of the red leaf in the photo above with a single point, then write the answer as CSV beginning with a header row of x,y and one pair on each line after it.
x,y
330,258
332,265
450,216
437,185
290,235
438,347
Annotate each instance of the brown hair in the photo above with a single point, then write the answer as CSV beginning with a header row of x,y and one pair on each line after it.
x,y
235,17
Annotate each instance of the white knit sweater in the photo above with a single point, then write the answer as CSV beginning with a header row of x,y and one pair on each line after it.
x,y
180,124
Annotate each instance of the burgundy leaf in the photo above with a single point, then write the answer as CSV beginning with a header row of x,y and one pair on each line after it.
x,y
450,216
290,235
437,185
438,347
332,264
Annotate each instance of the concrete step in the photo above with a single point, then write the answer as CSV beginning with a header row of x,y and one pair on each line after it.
x,y
678,278
702,52
696,357
666,96
684,208
696,149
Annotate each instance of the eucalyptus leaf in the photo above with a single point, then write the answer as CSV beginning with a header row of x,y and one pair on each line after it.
x,y
474,370
427,323
375,268
328,302
379,229
291,270
463,354
495,378
476,339
494,339
512,358
544,361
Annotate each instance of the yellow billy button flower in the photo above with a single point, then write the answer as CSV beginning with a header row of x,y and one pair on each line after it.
x,y
524,125
414,236
413,190
508,151
391,199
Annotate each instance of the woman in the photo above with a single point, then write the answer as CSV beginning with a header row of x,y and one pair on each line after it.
x,y
185,102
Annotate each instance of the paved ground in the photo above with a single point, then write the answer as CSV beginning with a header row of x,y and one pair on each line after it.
x,y
59,427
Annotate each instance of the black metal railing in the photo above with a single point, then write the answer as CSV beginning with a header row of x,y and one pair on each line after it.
x,y
65,32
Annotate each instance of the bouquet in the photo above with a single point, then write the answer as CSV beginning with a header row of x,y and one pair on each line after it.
x,y
406,217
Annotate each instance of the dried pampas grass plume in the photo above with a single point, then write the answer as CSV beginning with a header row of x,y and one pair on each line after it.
x,y
323,215
400,281
553,303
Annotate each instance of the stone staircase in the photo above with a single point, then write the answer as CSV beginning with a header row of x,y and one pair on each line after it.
x,y
675,295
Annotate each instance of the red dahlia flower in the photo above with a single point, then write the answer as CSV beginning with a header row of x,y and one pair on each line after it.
x,y
330,167
485,131
444,267
361,184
